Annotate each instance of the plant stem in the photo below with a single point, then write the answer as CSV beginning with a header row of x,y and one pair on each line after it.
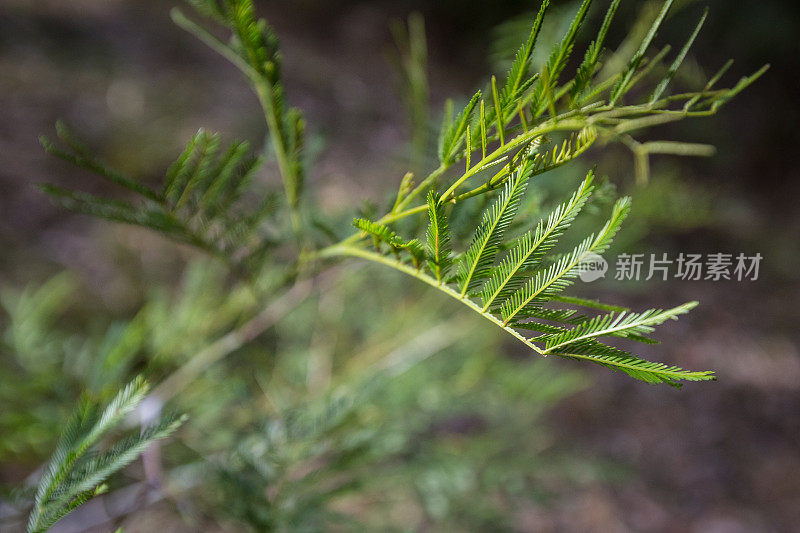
x,y
353,251
398,212
433,176
264,92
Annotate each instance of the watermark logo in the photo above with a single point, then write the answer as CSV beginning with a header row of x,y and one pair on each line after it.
x,y
593,266
686,266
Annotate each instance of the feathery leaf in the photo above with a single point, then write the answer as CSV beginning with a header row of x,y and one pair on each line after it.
x,y
83,160
531,248
588,66
615,324
476,262
558,61
520,67
74,474
560,274
439,253
641,369
453,131
625,80
678,60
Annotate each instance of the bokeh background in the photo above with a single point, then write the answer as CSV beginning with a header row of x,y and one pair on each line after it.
x,y
714,457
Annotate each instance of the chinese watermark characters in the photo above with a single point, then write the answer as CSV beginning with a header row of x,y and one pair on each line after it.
x,y
688,267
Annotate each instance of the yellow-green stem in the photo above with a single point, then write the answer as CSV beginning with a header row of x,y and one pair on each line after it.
x,y
353,251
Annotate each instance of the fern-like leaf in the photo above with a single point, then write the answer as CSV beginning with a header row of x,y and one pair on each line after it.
x,y
150,217
558,61
571,148
588,66
254,49
74,473
454,131
80,157
197,203
515,297
383,234
616,325
519,70
531,248
480,255
622,361
659,90
625,81
439,253
548,282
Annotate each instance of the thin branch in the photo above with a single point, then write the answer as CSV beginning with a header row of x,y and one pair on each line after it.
x,y
413,272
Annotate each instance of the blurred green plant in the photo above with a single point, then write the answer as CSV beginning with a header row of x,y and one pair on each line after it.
x,y
411,62
75,473
331,417
53,360
391,439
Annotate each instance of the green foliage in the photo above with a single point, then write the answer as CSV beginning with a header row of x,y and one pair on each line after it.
x,y
439,251
478,259
412,64
382,234
590,102
284,473
55,348
543,96
572,147
516,289
630,325
202,185
532,247
388,436
454,131
253,48
75,473
673,68
549,281
627,76
522,61
200,202
589,65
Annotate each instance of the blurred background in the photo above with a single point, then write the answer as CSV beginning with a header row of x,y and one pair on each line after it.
x,y
599,452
